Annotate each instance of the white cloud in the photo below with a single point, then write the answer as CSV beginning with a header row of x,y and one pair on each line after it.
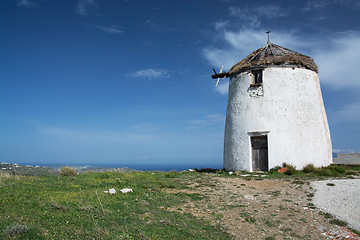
x,y
220,25
109,29
26,3
223,88
349,113
83,5
252,17
339,62
91,137
271,11
219,57
150,73
344,150
208,120
135,143
238,45
318,4
157,26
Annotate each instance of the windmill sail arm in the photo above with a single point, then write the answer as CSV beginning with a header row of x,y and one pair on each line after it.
x,y
220,75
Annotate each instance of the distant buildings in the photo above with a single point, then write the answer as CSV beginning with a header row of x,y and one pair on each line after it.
x,y
347,158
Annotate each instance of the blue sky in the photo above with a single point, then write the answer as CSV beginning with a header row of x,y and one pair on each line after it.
x,y
120,82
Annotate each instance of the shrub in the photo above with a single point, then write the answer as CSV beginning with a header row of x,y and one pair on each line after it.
x,y
332,170
15,229
338,169
207,170
274,170
309,168
291,170
171,174
324,172
67,171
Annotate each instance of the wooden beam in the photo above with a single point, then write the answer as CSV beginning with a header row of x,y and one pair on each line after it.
x,y
220,75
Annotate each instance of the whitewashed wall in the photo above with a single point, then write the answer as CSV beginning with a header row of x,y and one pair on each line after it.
x,y
289,108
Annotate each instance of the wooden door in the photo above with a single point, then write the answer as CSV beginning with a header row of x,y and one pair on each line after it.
x,y
259,147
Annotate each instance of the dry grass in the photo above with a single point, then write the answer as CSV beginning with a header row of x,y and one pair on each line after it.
x,y
274,55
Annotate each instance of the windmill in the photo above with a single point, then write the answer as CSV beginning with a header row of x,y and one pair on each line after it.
x,y
221,75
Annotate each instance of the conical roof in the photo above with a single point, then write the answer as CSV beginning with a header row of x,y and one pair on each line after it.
x,y
273,55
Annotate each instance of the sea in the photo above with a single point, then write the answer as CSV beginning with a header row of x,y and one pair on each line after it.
x,y
137,166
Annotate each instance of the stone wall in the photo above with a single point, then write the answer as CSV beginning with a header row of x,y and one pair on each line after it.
x,y
347,158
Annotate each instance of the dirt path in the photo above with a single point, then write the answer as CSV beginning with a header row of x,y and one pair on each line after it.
x,y
259,208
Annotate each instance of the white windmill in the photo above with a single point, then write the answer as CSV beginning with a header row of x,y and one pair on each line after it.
x,y
275,112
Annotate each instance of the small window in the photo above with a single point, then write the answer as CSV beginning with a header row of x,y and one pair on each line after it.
x,y
256,78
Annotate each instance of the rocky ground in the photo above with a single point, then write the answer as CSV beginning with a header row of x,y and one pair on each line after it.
x,y
262,208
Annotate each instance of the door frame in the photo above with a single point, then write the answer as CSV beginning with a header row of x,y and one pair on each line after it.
x,y
258,134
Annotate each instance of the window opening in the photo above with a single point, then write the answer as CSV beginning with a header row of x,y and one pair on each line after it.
x,y
256,78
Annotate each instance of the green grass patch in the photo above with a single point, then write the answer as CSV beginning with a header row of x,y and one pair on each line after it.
x,y
76,207
250,219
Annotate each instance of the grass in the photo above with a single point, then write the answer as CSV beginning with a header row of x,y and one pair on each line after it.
x,y
272,223
270,238
76,207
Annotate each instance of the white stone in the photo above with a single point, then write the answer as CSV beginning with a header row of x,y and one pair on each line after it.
x,y
126,190
112,191
288,109
249,197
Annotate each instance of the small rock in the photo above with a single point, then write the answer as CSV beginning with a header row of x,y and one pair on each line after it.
x,y
249,197
126,190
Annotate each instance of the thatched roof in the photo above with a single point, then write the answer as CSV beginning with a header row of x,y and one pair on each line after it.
x,y
274,55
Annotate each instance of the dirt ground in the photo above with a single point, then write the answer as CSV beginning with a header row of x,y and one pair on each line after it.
x,y
258,208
